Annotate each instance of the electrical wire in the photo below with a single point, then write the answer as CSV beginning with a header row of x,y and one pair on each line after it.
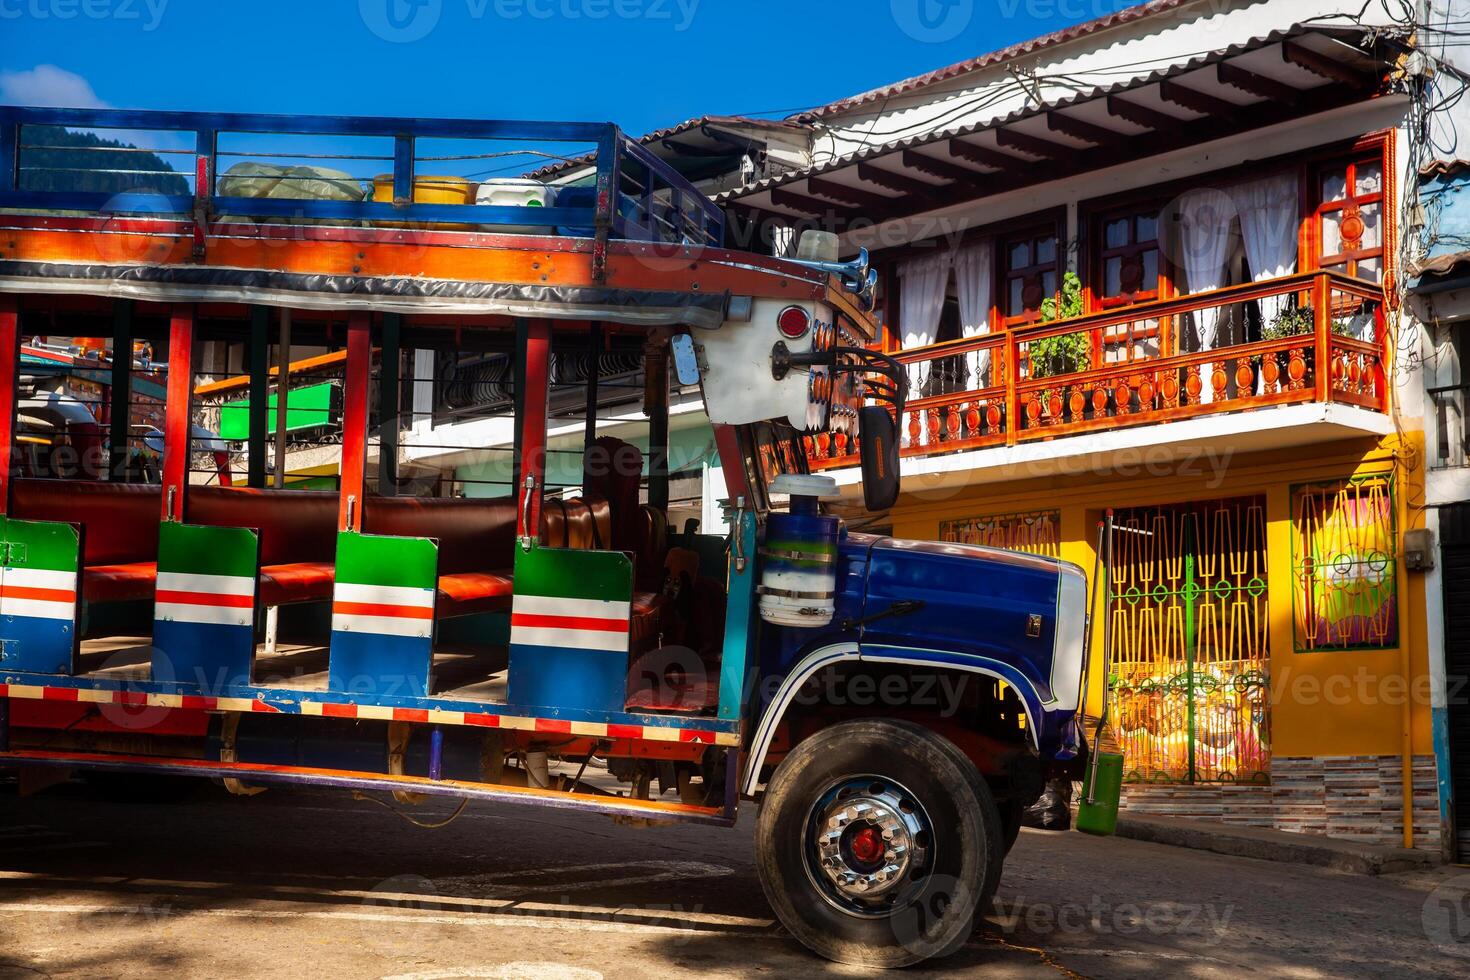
x,y
413,820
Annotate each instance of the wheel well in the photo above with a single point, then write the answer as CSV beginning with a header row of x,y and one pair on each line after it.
x,y
982,715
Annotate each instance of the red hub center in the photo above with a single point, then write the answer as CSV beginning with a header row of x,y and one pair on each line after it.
x,y
867,845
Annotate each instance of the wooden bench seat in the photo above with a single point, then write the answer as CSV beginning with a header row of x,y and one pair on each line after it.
x,y
119,523
298,536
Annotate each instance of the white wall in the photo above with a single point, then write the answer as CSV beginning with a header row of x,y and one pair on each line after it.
x,y
1093,61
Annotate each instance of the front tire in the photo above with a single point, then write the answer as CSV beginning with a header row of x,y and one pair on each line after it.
x,y
877,844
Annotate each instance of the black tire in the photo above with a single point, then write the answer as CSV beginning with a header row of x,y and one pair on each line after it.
x,y
1010,823
931,910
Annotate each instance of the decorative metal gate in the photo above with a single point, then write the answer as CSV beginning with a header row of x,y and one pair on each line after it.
x,y
1188,602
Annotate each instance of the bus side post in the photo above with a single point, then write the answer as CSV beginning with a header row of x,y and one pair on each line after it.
x,y
176,430
9,365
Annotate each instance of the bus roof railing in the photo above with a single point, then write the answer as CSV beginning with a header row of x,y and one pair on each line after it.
x,y
636,196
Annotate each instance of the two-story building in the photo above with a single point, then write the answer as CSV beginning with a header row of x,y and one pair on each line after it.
x,y
1152,266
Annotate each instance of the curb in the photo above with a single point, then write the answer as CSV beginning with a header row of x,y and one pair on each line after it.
x,y
1276,845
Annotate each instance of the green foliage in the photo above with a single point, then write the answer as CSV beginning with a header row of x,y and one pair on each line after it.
x,y
1071,300
1067,353
80,161
1294,321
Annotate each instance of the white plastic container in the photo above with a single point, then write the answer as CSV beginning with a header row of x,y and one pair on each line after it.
x,y
515,192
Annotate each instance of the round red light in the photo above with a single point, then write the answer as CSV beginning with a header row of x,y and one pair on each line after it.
x,y
793,322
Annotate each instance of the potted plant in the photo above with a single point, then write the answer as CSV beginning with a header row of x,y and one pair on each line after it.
x,y
1063,354
1298,321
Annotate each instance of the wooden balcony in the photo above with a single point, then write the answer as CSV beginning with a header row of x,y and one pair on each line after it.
x,y
1136,366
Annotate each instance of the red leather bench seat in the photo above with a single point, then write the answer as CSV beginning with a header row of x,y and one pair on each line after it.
x,y
298,536
476,545
119,530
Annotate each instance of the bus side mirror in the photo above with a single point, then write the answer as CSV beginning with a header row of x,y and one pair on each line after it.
x,y
878,443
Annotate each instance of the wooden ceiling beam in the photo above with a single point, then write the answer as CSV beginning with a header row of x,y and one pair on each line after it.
x,y
987,157
1142,115
1034,145
783,198
1248,81
1083,130
1191,98
850,195
920,189
944,169
1294,53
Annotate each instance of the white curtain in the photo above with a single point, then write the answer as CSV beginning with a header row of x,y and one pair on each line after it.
x,y
923,282
1268,225
972,276
1206,217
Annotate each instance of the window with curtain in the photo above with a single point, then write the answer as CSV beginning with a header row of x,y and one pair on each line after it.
x,y
1350,216
1128,270
1128,253
1031,273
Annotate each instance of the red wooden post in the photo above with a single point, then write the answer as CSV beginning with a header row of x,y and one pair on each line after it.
x,y
358,375
537,359
176,425
9,362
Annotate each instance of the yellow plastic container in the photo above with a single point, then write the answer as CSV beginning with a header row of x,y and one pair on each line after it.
x,y
429,190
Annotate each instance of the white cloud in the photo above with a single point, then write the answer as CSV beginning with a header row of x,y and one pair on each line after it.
x,y
48,85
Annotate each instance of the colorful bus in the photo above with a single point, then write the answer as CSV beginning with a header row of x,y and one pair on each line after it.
x,y
543,637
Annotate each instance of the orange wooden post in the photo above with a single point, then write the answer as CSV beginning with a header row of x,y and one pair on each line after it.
x,y
9,363
1323,324
177,425
357,376
1011,367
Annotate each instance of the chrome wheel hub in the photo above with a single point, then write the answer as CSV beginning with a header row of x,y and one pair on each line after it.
x,y
869,840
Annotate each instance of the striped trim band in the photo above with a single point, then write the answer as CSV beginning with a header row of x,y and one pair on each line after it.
x,y
390,610
579,624
37,593
554,726
189,597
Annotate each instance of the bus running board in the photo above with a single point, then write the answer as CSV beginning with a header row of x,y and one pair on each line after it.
x,y
253,772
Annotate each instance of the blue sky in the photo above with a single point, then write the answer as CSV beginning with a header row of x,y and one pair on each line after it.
x,y
640,63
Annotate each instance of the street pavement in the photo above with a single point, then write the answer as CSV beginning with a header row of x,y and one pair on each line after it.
x,y
305,882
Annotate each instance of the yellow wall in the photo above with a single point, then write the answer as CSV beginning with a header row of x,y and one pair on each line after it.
x,y
1318,702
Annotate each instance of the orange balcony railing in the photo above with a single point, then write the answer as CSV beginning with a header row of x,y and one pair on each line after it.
x,y
1322,339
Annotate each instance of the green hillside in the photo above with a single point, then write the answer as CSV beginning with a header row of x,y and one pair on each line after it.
x,y
59,159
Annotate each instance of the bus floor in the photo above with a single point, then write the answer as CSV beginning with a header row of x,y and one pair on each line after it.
x,y
462,672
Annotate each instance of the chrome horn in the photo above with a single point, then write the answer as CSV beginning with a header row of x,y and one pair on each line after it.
x,y
857,275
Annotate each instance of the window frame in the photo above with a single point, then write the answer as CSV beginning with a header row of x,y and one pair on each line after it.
x,y
1349,205
1003,273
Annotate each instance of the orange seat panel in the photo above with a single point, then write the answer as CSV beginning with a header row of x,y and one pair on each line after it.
x,y
467,593
302,581
119,583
